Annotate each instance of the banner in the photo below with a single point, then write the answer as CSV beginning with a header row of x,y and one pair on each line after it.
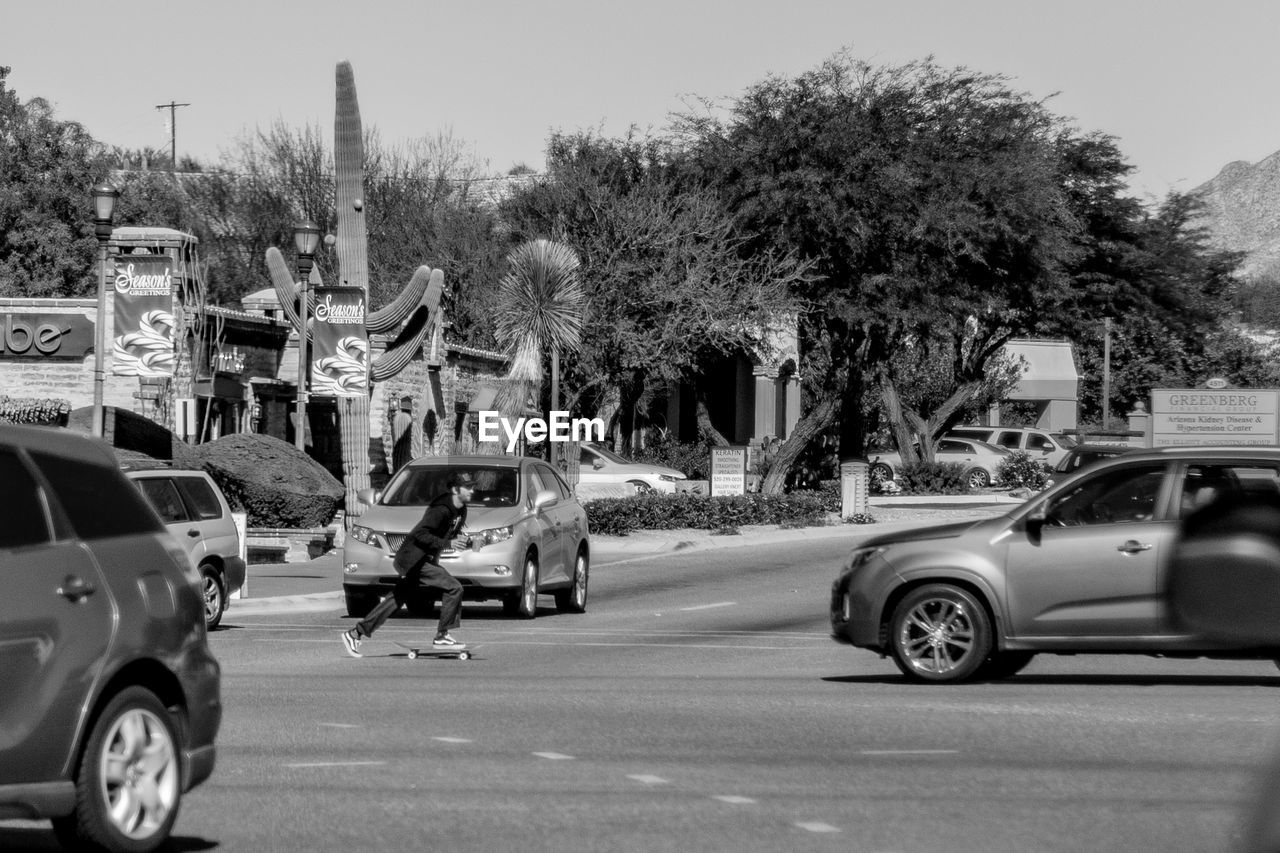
x,y
143,344
340,361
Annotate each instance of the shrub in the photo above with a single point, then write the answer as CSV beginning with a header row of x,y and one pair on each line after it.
x,y
33,411
693,459
1019,471
620,516
276,484
932,478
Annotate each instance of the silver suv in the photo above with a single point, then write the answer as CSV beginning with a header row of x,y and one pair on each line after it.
x,y
111,697
1048,447
1080,568
197,514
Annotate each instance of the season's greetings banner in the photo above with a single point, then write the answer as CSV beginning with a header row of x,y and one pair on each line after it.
x,y
143,343
340,362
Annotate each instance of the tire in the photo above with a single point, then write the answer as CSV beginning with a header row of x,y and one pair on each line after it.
x,y
574,599
642,488
131,765
214,592
360,603
526,604
940,634
977,478
880,473
1005,664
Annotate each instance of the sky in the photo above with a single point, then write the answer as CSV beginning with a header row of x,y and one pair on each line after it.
x,y
1184,87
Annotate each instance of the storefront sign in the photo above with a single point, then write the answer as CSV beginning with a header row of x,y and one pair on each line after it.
x,y
143,344
1200,416
728,471
340,362
45,336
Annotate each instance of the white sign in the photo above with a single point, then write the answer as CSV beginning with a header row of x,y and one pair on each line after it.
x,y
728,471
1200,417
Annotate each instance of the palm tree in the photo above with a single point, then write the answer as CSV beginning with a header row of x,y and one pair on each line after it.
x,y
540,308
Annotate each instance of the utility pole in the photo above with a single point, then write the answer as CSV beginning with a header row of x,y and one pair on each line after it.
x,y
1106,372
172,107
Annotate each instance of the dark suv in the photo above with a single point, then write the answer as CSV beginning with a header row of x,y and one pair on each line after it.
x,y
110,695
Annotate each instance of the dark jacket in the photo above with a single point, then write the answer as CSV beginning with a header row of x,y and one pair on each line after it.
x,y
434,532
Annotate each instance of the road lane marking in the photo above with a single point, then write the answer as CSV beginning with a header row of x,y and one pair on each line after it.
x,y
337,764
816,826
453,739
554,756
340,725
648,780
708,606
909,752
733,799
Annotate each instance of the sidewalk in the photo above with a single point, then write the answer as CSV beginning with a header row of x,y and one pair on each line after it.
x,y
316,585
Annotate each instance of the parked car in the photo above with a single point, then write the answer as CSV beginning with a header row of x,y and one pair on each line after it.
x,y
980,460
196,512
1080,568
111,695
529,534
1048,447
598,464
1084,455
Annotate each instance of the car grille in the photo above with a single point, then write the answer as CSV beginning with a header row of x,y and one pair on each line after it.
x,y
394,540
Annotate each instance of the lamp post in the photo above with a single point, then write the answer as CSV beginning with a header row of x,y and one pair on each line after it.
x,y
306,239
104,205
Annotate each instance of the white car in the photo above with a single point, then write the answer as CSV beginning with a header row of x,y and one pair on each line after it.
x,y
598,465
979,459
1048,447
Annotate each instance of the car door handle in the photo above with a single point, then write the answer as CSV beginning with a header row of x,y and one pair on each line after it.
x,y
194,534
1133,546
75,588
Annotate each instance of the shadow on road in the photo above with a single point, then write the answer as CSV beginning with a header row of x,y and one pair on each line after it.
x,y
1099,680
35,839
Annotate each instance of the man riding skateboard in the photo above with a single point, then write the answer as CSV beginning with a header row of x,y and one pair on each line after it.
x,y
416,562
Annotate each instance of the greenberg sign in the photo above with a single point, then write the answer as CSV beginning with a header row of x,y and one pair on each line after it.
x,y
45,336
1200,416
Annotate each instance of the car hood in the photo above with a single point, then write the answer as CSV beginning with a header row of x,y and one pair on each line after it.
x,y
400,519
923,534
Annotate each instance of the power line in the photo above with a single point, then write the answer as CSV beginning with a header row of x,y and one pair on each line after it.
x,y
172,107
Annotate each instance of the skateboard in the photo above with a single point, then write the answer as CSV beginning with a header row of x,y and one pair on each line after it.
x,y
461,652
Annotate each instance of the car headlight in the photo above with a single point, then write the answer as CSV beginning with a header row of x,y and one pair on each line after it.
x,y
492,535
667,478
363,534
859,557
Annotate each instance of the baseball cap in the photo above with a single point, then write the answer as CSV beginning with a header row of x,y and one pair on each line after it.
x,y
462,479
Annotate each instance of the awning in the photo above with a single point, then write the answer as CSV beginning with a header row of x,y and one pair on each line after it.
x,y
1050,372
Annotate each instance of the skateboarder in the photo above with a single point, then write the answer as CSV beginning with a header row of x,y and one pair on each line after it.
x,y
439,528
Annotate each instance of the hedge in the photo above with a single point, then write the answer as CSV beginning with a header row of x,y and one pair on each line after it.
x,y
650,511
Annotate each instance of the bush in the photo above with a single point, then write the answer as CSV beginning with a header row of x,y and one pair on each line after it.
x,y
1020,471
275,484
693,459
932,478
620,516
33,411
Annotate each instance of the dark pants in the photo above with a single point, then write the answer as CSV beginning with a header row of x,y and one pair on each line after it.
x,y
429,575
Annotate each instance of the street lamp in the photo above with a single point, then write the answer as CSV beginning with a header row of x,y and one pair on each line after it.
x,y
306,239
104,205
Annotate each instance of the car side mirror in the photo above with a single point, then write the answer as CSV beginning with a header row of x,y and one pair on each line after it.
x,y
367,496
544,498
1035,521
597,463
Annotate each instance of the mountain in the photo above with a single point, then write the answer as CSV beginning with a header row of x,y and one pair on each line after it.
x,y
1242,212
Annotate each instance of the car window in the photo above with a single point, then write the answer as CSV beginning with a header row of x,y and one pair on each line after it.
x,y
419,486
1008,438
535,482
200,497
22,514
163,495
565,490
1203,484
1119,496
586,457
97,499
1039,442
953,446
552,481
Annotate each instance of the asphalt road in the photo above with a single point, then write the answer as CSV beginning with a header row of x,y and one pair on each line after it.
x,y
700,705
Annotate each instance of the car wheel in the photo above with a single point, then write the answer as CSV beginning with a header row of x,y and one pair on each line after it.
x,y
940,633
977,478
642,487
880,473
215,597
1005,664
527,603
574,599
129,782
360,603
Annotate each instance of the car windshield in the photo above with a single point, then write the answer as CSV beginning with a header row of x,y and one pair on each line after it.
x,y
1064,439
420,485
610,455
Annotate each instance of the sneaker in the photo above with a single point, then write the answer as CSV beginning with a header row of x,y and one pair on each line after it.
x,y
351,643
445,640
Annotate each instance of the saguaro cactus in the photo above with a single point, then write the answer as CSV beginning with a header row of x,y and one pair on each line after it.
x,y
411,313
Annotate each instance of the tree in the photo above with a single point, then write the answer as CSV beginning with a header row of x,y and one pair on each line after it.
x,y
47,170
